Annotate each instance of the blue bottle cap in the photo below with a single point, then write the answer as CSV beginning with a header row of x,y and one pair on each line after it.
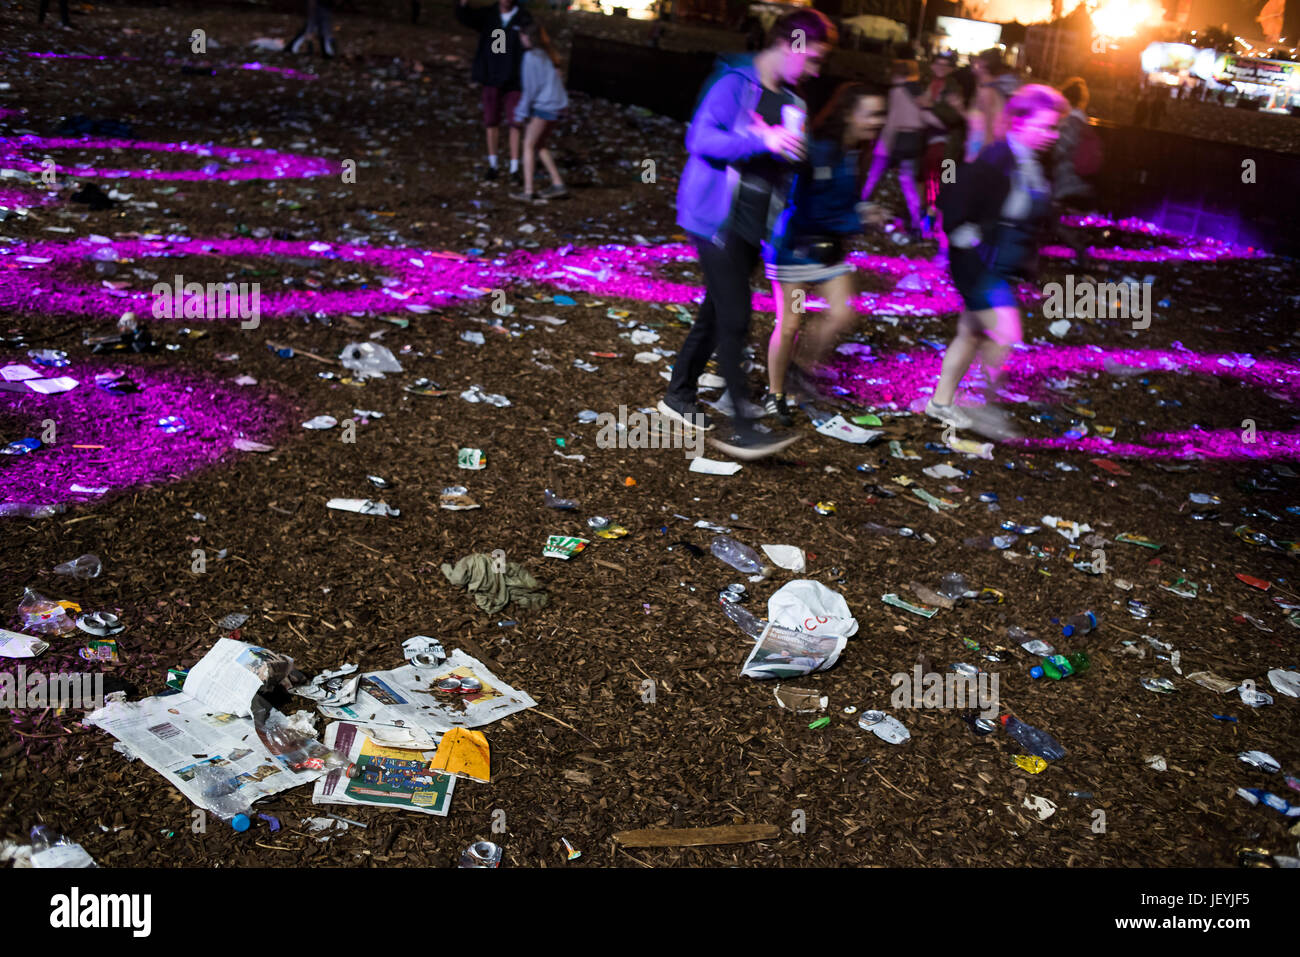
x,y
1036,671
1068,630
240,822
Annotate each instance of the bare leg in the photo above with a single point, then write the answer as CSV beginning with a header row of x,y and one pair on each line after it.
x,y
878,166
837,322
493,139
544,153
1003,333
780,348
531,136
514,142
957,360
907,183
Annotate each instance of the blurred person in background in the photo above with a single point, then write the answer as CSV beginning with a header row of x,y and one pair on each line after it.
x,y
995,83
497,66
541,101
318,21
902,141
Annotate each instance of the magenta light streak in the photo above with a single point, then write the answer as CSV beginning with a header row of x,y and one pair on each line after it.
x,y
417,278
253,163
135,449
1184,249
17,196
902,380
172,61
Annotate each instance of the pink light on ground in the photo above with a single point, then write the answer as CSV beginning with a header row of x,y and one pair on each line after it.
x,y
429,279
904,380
135,449
252,163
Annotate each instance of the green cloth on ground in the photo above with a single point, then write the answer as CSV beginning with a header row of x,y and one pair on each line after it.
x,y
494,584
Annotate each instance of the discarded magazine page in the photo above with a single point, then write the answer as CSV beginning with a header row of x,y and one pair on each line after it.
x,y
232,672
459,693
386,777
785,653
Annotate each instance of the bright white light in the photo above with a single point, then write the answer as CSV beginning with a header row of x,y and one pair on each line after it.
x,y
1123,18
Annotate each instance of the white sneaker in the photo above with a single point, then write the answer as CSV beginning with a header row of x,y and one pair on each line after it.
x,y
948,414
993,423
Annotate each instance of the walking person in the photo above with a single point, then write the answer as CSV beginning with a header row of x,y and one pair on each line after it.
x,y
743,139
497,68
807,246
993,213
902,141
541,100
1076,158
319,19
996,83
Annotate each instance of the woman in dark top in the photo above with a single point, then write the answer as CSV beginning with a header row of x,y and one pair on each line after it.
x,y
807,245
993,213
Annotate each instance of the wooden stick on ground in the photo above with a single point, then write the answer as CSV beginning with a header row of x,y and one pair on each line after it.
x,y
697,836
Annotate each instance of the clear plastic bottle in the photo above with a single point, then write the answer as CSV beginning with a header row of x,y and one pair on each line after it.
x,y
223,798
748,622
739,556
84,566
1032,740
1080,624
953,585
990,543
1058,667
50,849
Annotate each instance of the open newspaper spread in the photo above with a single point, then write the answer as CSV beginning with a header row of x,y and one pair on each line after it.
x,y
209,722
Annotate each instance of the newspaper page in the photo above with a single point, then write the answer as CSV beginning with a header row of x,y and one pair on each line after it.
x,y
176,735
786,653
387,777
232,672
407,697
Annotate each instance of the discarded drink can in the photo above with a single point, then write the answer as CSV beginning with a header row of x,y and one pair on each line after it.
x,y
481,854
1139,609
473,459
824,508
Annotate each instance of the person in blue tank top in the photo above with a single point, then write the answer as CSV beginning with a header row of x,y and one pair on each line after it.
x,y
807,246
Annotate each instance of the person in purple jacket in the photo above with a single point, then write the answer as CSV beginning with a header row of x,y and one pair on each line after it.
x,y
745,136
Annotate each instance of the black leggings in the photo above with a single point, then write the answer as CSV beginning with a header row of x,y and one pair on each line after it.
x,y
722,324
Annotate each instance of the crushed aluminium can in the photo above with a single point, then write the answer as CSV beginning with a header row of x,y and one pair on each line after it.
x,y
481,855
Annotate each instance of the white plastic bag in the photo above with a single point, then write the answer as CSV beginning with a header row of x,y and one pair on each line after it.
x,y
368,359
811,607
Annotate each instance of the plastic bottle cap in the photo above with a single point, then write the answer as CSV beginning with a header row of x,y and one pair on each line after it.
x,y
1068,630
1036,671
240,822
